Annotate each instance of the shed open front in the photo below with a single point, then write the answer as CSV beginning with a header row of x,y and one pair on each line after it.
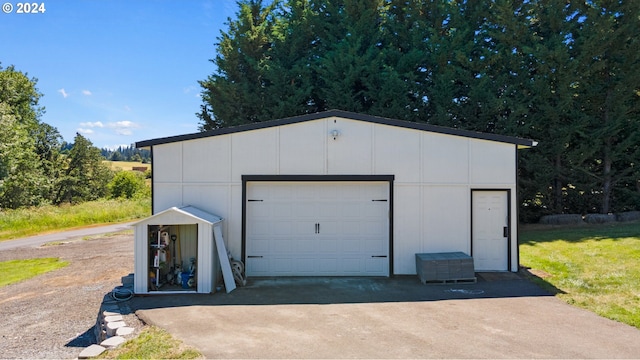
x,y
175,252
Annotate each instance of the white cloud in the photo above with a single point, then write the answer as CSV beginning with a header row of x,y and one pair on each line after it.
x,y
85,131
124,127
127,108
86,92
64,93
92,124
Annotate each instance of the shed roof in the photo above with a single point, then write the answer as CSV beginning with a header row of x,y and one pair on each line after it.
x,y
186,213
521,142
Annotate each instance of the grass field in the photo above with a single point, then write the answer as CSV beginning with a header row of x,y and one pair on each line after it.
x,y
45,219
125,165
14,271
595,267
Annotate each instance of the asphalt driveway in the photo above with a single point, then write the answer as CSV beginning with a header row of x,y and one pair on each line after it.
x,y
501,316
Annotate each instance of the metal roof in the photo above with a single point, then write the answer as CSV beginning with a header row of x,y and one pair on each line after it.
x,y
521,142
190,212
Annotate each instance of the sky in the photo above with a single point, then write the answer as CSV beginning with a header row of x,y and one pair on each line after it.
x,y
115,71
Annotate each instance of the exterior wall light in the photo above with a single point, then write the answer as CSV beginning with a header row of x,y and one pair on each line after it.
x,y
334,133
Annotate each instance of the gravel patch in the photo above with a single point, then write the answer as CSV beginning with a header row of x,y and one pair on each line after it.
x,y
53,315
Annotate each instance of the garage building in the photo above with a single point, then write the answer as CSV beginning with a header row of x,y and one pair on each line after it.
x,y
345,194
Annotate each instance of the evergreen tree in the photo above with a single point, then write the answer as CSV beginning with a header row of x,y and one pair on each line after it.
x,y
290,72
608,45
559,72
547,171
86,177
235,94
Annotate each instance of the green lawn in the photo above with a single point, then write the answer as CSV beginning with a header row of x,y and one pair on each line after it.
x,y
14,271
593,267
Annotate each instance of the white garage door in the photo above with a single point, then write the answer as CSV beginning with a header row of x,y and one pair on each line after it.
x,y
317,229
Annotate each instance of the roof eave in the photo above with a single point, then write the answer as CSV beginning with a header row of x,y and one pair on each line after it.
x,y
522,143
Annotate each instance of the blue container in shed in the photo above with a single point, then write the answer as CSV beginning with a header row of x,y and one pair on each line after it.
x,y
185,280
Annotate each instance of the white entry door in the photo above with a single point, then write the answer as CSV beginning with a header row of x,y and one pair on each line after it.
x,y
490,230
317,229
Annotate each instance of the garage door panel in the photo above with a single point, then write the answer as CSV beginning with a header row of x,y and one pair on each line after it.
x,y
317,229
282,246
283,228
376,265
305,267
280,210
329,246
303,210
372,228
258,266
374,246
329,228
304,227
352,265
281,265
351,245
259,212
259,227
305,246
376,210
261,246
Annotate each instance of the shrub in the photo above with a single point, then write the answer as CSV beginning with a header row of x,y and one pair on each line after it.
x,y
128,184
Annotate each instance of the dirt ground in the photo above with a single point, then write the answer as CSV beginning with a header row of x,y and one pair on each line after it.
x,y
52,315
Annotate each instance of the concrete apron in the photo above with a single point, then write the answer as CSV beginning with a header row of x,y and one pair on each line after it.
x,y
498,317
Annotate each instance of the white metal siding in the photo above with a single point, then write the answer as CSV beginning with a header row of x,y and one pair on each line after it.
x,y
445,159
302,148
351,152
254,152
207,160
167,163
423,164
492,163
397,152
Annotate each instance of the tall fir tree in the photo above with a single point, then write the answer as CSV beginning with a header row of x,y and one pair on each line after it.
x,y
608,45
235,93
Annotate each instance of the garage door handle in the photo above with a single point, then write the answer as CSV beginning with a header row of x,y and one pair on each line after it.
x,y
378,256
254,257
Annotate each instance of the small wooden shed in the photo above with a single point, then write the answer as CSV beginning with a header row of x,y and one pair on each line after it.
x,y
175,252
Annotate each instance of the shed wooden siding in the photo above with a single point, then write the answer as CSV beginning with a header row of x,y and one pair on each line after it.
x,y
434,175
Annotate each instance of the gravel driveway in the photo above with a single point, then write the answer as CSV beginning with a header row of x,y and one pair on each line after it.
x,y
52,315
